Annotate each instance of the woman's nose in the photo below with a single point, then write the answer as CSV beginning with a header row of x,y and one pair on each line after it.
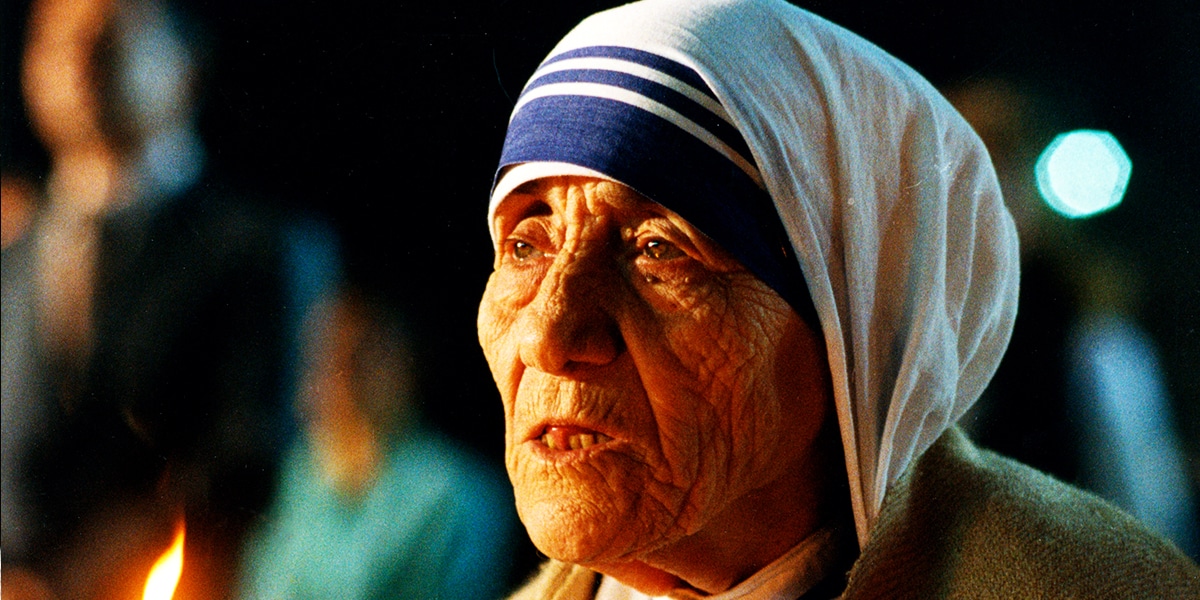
x,y
567,327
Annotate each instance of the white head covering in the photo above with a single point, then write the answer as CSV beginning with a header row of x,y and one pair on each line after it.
x,y
887,196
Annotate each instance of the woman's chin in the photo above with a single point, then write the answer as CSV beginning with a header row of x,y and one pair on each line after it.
x,y
592,547
576,531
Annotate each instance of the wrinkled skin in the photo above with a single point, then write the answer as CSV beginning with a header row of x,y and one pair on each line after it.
x,y
662,404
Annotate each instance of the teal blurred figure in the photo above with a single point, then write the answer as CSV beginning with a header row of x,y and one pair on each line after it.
x,y
372,504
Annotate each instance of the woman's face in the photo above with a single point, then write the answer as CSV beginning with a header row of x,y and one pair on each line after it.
x,y
649,381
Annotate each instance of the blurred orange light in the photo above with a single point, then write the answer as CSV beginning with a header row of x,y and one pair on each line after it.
x,y
164,575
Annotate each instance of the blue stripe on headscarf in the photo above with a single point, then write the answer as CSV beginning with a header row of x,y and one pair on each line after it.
x,y
657,92
661,161
639,57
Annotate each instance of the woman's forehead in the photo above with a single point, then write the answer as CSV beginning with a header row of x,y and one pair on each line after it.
x,y
556,192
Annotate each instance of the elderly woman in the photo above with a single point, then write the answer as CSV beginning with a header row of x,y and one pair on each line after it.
x,y
750,271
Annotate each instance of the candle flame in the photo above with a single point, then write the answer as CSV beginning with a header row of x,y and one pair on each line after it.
x,y
164,575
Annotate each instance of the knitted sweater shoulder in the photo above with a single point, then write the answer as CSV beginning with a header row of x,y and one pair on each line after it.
x,y
968,523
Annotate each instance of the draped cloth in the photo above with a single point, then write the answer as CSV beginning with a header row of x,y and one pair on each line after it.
x,y
887,200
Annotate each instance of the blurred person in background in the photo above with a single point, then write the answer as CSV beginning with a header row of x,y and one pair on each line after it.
x,y
156,312
23,417
373,503
1081,394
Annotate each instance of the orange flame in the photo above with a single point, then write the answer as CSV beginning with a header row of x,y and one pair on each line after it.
x,y
164,575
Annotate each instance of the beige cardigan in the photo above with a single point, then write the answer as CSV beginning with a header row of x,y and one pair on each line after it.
x,y
968,523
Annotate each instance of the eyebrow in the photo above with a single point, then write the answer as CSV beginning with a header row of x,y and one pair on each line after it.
x,y
529,203
530,188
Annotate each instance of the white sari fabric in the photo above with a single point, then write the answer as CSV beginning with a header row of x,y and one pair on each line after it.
x,y
887,198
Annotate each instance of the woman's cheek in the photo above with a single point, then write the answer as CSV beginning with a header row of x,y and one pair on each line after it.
x,y
672,287
498,312
728,346
492,322
509,289
757,419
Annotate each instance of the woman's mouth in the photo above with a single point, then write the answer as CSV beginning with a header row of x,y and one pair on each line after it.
x,y
570,437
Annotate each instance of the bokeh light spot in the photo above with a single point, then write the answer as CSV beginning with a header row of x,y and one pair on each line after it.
x,y
1082,173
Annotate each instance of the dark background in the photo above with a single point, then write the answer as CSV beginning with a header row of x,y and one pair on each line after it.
x,y
388,118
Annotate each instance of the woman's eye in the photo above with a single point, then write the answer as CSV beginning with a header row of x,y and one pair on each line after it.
x,y
523,250
661,250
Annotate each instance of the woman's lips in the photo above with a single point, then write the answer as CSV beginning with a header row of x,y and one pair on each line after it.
x,y
571,437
